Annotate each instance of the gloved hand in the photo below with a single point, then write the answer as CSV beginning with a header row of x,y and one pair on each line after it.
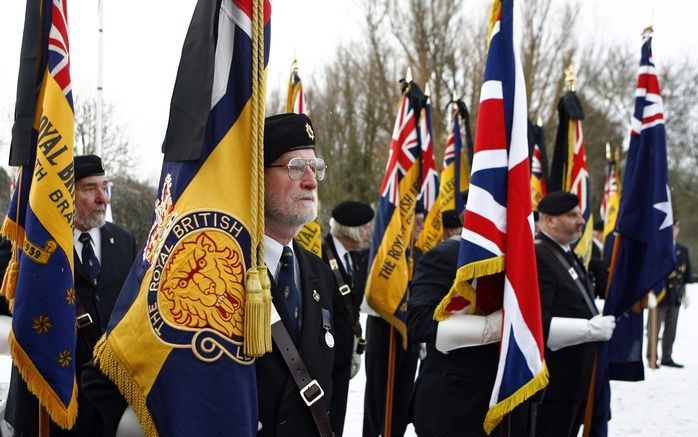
x,y
355,364
601,328
467,330
568,331
685,301
651,300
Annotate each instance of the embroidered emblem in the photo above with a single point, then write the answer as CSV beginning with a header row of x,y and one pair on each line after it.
x,y
42,324
70,296
164,219
196,293
64,358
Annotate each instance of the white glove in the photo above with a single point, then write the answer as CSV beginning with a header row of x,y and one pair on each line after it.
x,y
685,301
129,425
355,364
651,300
5,326
466,330
567,331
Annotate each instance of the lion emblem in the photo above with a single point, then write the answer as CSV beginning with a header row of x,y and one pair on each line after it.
x,y
203,286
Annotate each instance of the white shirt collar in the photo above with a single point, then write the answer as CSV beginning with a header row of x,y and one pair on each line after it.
x,y
341,250
272,255
565,247
96,242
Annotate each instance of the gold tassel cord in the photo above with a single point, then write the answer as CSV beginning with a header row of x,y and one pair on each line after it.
x,y
257,304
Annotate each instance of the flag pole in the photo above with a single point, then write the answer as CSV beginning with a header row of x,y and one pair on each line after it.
x,y
390,382
589,409
43,421
654,334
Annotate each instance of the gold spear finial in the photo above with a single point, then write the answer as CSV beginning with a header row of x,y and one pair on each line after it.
x,y
539,121
647,32
294,66
454,100
408,75
608,151
427,93
570,78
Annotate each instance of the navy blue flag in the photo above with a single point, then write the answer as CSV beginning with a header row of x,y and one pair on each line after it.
x,y
645,252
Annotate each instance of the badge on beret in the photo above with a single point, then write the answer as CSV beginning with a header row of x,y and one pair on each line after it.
x,y
309,130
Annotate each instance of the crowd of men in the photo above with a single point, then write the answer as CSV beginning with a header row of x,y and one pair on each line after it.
x,y
319,301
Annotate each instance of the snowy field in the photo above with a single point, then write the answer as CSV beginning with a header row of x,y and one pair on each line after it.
x,y
665,404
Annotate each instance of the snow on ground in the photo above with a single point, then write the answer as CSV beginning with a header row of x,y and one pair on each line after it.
x,y
662,405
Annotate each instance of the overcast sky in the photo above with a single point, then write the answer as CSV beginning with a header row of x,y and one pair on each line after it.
x,y
143,41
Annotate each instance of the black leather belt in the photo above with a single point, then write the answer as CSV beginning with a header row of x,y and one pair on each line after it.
x,y
309,389
85,325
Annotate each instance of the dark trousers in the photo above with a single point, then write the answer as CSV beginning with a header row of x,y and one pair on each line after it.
x,y
558,418
378,337
667,315
340,391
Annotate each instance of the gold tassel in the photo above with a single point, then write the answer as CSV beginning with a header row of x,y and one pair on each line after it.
x,y
9,282
266,296
254,315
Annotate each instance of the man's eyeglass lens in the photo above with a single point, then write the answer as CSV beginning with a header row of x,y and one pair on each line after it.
x,y
296,168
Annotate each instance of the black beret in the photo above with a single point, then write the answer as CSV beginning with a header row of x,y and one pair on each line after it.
x,y
286,132
88,165
558,203
450,219
598,225
351,213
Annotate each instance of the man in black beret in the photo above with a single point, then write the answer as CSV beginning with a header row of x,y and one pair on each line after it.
x,y
103,256
350,227
571,322
302,285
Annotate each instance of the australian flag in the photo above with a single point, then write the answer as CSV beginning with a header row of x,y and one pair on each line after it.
x,y
644,241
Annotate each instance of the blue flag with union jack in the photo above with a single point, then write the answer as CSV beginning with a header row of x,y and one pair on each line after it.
x,y
497,254
176,342
39,279
644,245
389,266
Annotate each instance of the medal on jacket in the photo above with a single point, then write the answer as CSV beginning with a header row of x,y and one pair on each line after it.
x,y
573,273
327,325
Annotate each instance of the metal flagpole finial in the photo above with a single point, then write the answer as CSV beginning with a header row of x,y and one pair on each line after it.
x,y
647,32
427,92
608,151
408,75
539,121
454,101
570,77
294,66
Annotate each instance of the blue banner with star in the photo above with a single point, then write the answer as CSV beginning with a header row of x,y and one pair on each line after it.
x,y
39,279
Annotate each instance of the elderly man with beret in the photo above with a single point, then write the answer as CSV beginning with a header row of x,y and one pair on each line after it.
x,y
571,322
104,253
302,285
349,229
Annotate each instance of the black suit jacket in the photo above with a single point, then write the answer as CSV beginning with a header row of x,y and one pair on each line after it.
x,y
677,280
118,253
452,391
570,367
282,412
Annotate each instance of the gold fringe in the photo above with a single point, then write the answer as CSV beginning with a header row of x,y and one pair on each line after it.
x,y
108,363
497,412
64,417
255,315
462,287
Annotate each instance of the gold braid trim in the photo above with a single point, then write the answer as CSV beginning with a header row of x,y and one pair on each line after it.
x,y
64,417
108,363
498,411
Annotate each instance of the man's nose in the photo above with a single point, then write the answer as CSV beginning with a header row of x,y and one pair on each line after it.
x,y
308,180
